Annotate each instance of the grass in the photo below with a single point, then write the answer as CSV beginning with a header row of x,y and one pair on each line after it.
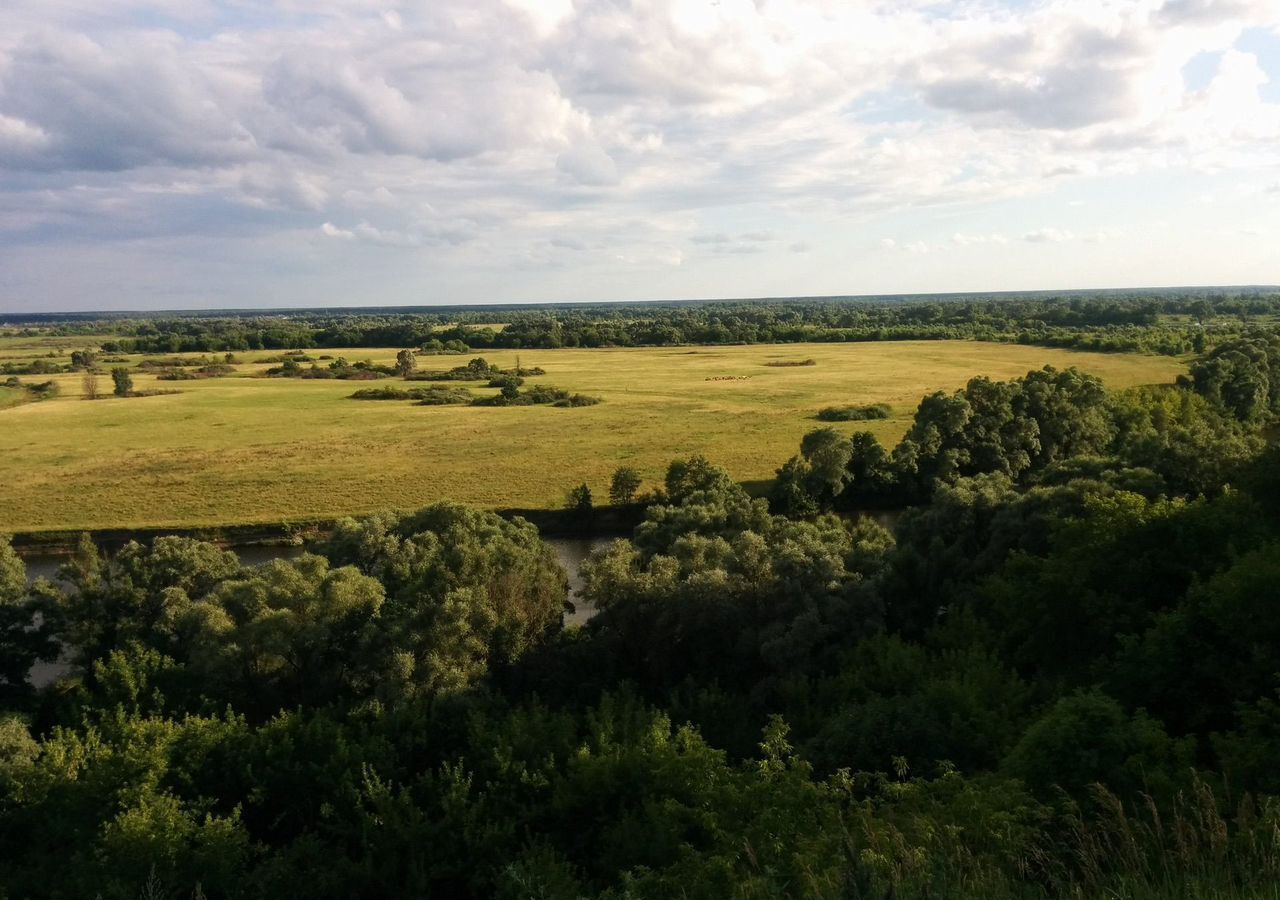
x,y
13,397
249,450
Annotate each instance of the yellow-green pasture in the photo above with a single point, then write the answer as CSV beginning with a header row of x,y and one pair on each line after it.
x,y
21,346
246,449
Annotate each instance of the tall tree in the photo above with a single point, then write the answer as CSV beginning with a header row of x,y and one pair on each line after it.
x,y
406,362
123,381
623,487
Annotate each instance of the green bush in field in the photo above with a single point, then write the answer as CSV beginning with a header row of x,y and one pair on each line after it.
x,y
854,413
122,380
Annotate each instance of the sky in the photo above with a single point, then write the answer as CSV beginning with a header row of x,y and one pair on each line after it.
x,y
163,154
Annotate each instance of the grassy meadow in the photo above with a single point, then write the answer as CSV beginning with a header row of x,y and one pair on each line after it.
x,y
245,449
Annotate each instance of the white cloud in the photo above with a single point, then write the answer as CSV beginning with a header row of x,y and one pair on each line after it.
x,y
1049,235
964,240
913,247
328,229
588,164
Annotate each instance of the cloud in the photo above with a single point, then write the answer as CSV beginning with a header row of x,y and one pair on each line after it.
x,y
748,237
1182,12
328,229
747,242
334,101
589,165
417,234
964,240
278,188
68,102
1049,236
912,247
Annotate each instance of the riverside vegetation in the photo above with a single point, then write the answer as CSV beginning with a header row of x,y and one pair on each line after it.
x,y
1056,678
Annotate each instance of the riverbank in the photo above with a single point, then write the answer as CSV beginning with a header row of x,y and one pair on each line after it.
x,y
602,522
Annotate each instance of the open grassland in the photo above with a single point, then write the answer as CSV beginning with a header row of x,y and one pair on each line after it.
x,y
246,449
10,397
20,346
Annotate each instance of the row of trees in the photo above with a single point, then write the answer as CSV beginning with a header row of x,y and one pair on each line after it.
x,y
1159,322
121,380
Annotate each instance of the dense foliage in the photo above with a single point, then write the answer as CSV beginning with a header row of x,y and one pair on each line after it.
x,y
1051,425
1055,677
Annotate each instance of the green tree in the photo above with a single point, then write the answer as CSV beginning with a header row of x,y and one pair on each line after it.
x,y
1194,445
624,485
790,495
1241,376
871,475
24,638
579,500
123,381
138,594
1087,738
287,633
686,477
406,362
468,592
827,453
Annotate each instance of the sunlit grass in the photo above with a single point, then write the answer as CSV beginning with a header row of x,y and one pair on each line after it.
x,y
247,449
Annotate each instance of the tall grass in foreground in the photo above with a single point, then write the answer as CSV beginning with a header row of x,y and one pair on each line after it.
x,y
1189,850
914,842
1193,852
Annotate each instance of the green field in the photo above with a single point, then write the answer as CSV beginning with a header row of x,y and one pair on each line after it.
x,y
246,449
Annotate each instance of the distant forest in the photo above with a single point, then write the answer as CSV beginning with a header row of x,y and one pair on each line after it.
x,y
1151,322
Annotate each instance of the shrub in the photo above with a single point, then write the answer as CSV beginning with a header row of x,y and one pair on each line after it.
x,y
123,381
579,500
432,396
577,400
854,413
622,489
789,363
214,370
442,396
382,393
478,369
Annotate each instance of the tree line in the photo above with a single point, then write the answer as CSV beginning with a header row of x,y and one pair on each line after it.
x,y
1188,436
1163,322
